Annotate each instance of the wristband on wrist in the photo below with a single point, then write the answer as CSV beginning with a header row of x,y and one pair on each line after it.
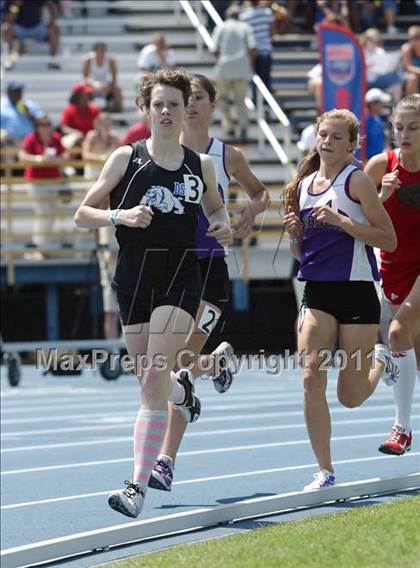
x,y
294,240
113,216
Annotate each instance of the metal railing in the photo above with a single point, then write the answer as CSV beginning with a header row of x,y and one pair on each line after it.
x,y
263,95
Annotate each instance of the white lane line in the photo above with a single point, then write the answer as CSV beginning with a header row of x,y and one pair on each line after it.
x,y
127,423
218,419
111,404
128,394
206,479
191,453
225,408
63,417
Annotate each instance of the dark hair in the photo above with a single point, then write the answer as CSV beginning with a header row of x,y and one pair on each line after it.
x,y
206,84
176,78
312,161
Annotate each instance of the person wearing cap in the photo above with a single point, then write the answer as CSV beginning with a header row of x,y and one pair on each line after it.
x,y
235,49
375,100
78,116
23,20
17,114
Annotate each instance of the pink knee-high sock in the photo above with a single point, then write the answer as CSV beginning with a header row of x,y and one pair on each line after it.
x,y
149,431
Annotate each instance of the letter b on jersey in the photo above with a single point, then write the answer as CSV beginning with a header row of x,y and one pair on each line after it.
x,y
193,188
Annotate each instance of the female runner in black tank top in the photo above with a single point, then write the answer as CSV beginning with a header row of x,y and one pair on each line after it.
x,y
155,190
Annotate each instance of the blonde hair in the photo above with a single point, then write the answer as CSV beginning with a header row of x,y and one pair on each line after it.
x,y
312,161
407,104
371,34
413,31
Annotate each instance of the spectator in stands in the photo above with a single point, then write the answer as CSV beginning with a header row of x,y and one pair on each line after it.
x,y
17,114
390,8
139,131
100,72
377,60
78,116
307,141
23,20
235,51
97,146
261,19
375,100
315,84
156,55
411,60
344,12
43,146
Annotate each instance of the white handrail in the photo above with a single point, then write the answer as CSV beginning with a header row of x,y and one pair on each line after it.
x,y
262,92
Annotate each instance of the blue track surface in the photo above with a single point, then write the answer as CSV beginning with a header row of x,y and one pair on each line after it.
x,y
66,442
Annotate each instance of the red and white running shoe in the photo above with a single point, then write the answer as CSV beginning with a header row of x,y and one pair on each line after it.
x,y
398,442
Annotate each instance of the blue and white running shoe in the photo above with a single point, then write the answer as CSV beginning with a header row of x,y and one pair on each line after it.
x,y
323,478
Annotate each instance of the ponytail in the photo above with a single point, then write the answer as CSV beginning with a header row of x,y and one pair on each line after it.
x,y
308,165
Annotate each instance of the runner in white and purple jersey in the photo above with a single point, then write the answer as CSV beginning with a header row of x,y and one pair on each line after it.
x,y
334,219
228,161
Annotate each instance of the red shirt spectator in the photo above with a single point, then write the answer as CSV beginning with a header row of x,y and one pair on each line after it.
x,y
80,119
32,144
139,131
80,113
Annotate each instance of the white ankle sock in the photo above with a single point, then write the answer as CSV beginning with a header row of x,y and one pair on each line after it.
x,y
404,388
178,392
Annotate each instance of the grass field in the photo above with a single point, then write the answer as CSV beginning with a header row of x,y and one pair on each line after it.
x,y
378,536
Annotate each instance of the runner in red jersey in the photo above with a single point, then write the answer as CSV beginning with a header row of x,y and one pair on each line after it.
x,y
397,174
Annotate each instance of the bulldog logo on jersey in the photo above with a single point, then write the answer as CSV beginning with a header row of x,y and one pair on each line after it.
x,y
162,199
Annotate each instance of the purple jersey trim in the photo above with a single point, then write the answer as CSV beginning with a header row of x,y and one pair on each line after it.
x,y
327,252
224,160
347,187
331,184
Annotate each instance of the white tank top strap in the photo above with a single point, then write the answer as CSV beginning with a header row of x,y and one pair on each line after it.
x,y
217,151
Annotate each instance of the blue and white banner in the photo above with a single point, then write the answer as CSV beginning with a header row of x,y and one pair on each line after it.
x,y
343,73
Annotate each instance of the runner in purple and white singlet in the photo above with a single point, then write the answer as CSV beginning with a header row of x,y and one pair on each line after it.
x,y
334,218
228,161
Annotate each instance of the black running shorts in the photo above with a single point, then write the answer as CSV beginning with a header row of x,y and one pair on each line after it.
x,y
349,302
215,281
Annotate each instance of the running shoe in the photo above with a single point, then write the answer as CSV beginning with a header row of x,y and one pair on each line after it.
x,y
223,381
162,474
191,407
398,442
391,372
323,478
128,501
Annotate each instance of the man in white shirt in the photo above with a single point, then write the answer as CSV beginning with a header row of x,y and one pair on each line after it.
x,y
235,50
155,55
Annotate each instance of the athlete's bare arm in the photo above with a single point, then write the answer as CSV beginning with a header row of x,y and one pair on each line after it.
x,y
91,215
380,231
386,182
213,206
238,167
